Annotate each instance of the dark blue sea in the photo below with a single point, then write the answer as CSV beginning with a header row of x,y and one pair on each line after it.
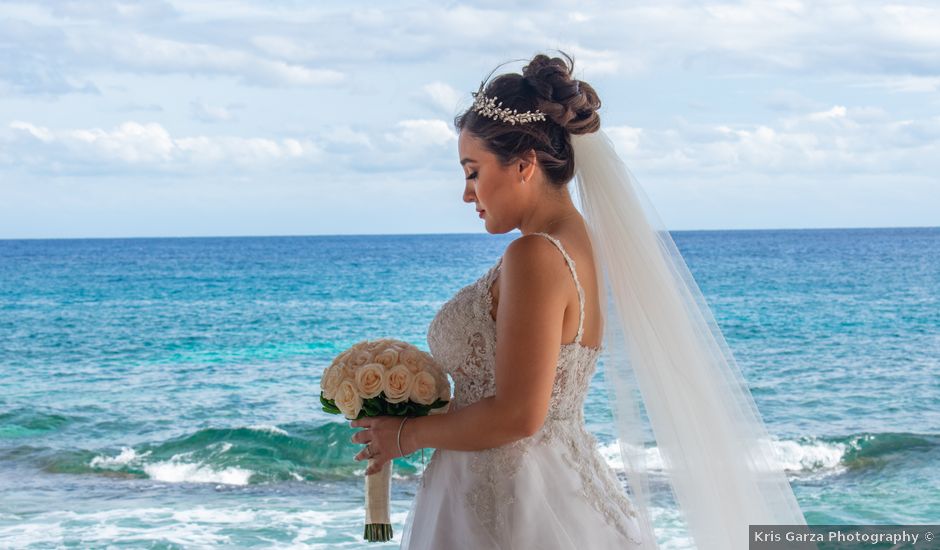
x,y
163,392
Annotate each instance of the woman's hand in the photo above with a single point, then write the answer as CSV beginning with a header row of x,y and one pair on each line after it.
x,y
381,434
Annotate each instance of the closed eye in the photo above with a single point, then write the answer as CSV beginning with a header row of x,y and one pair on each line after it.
x,y
472,176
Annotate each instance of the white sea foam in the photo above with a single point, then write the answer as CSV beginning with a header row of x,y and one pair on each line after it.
x,y
127,456
814,455
176,471
793,456
267,428
103,527
202,514
611,454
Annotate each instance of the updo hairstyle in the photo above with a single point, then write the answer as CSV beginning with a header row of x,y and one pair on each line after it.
x,y
546,84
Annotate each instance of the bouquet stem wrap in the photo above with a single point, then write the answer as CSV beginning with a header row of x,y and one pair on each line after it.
x,y
378,493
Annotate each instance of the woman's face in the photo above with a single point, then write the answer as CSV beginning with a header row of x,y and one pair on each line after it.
x,y
495,189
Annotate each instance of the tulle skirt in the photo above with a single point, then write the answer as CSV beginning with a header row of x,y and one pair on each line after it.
x,y
469,499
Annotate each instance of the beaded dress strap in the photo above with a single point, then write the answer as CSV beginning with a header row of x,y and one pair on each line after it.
x,y
577,283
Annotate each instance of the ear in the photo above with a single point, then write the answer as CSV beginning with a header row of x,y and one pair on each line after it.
x,y
527,164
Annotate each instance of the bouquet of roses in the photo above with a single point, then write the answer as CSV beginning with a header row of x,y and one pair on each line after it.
x,y
383,377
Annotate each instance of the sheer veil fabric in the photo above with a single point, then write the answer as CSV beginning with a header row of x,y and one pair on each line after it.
x,y
663,346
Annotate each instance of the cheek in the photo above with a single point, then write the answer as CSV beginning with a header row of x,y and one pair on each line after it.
x,y
486,192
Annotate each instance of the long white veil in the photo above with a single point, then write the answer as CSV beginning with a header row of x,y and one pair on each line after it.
x,y
662,344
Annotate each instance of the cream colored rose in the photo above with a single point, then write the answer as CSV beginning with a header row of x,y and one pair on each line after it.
x,y
443,389
424,388
342,357
347,399
370,380
412,359
386,343
428,364
398,382
387,358
360,357
349,370
331,379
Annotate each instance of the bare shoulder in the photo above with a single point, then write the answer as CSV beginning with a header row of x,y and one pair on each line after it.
x,y
533,262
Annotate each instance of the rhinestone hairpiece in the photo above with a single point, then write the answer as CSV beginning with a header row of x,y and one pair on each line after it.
x,y
487,106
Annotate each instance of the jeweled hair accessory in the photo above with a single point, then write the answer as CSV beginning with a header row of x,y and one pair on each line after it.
x,y
487,106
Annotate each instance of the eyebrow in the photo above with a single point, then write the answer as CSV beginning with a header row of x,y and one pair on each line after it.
x,y
465,160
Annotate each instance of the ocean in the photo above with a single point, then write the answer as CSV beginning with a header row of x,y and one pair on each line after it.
x,y
163,392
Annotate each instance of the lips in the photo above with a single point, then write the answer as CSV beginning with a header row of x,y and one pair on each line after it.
x,y
481,212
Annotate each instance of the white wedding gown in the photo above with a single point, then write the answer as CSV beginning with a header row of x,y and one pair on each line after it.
x,y
552,490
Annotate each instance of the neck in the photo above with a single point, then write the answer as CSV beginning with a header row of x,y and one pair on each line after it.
x,y
548,213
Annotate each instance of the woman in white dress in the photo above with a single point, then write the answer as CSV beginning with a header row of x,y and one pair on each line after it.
x,y
514,465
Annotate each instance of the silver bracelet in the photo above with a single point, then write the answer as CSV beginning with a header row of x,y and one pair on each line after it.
x,y
400,426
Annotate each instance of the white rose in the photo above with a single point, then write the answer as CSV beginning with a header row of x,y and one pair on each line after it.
x,y
398,384
347,399
424,388
370,380
330,380
388,358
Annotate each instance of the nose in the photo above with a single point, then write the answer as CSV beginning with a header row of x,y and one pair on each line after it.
x,y
468,193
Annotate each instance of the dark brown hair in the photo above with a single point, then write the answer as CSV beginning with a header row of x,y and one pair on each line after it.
x,y
546,84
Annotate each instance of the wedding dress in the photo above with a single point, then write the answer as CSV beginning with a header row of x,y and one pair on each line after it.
x,y
549,490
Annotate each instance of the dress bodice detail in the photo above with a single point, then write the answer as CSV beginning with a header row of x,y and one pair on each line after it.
x,y
462,339
577,283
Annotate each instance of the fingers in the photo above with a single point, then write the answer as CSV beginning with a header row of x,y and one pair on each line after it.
x,y
362,436
375,467
364,453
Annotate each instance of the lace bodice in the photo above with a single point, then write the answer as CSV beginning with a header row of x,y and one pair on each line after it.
x,y
462,338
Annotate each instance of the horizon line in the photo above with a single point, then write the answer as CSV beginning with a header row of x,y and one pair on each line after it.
x,y
701,230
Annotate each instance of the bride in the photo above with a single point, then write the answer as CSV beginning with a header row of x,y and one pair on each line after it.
x,y
514,465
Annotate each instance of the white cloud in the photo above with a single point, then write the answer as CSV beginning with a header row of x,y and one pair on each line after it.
x,y
838,140
135,143
626,138
443,96
422,133
141,51
211,113
748,93
902,83
292,49
291,45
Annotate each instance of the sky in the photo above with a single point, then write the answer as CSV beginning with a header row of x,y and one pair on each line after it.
x,y
172,118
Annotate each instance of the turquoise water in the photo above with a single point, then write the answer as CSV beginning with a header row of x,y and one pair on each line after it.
x,y
163,393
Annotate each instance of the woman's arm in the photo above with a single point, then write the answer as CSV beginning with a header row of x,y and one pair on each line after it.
x,y
533,297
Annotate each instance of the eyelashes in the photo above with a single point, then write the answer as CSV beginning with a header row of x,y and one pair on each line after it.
x,y
472,176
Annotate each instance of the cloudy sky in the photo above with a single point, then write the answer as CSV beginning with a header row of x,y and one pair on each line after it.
x,y
172,118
